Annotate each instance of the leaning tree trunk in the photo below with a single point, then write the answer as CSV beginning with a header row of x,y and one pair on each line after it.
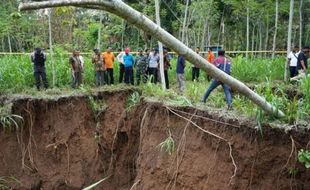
x,y
51,47
275,29
289,38
134,17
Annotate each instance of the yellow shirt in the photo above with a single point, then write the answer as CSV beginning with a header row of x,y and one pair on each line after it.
x,y
108,59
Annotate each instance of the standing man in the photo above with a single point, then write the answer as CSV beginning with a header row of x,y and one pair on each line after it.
x,y
76,69
141,67
128,63
99,67
223,64
38,58
292,59
302,63
180,73
211,56
195,70
167,66
153,65
121,65
108,60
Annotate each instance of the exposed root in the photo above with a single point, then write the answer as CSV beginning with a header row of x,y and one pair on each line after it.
x,y
293,149
212,134
234,163
134,185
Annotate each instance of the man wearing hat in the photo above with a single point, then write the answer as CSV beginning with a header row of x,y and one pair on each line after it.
x,y
128,63
99,67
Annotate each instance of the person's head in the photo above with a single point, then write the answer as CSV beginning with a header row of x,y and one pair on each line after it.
x,y
165,51
140,52
147,51
306,49
74,52
77,53
37,50
96,51
109,49
209,49
197,49
127,50
295,48
221,52
119,50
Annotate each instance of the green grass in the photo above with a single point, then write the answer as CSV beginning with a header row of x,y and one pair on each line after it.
x,y
16,76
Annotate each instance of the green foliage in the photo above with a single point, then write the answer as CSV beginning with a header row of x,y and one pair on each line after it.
x,y
132,101
168,145
304,157
9,120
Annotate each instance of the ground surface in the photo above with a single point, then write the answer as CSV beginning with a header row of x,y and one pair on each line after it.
x,y
68,143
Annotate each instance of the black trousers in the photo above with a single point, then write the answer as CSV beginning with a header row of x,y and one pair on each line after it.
x,y
152,72
195,73
38,76
129,75
166,79
121,72
110,76
293,71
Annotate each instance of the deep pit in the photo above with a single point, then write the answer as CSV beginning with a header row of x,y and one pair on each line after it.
x,y
64,143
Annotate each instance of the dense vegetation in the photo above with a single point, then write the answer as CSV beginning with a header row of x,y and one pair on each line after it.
x,y
208,22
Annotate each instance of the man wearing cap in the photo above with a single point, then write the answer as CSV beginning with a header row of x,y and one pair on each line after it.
x,y
128,63
76,69
141,67
99,67
108,60
38,58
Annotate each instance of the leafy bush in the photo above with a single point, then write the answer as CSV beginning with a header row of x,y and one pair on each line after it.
x,y
304,157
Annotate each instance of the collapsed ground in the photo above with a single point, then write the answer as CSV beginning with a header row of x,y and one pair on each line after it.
x,y
70,142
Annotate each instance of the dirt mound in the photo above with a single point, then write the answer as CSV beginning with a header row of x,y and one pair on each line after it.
x,y
72,142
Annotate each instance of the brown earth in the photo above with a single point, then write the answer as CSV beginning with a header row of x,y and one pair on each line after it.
x,y
64,144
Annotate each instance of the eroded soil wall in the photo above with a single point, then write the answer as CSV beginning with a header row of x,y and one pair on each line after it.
x,y
65,144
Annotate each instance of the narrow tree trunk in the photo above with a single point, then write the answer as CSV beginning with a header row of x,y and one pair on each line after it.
x,y
267,37
184,21
289,36
275,29
160,47
9,42
260,39
118,7
253,39
51,47
300,24
247,30
99,33
123,33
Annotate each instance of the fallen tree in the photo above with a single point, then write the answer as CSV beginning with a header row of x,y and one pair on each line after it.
x,y
136,18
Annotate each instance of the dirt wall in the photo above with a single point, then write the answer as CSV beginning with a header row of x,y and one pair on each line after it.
x,y
65,144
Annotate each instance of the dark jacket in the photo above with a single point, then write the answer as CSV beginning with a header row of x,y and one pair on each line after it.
x,y
180,64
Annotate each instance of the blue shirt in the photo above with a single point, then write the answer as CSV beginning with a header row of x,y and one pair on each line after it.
x,y
180,64
128,60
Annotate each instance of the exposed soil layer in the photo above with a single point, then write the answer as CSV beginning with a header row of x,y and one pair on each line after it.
x,y
66,144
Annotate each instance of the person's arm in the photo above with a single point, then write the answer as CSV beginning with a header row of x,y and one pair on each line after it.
x,y
303,65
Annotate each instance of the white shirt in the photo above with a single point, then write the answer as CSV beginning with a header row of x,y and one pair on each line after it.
x,y
293,58
153,60
82,61
120,57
